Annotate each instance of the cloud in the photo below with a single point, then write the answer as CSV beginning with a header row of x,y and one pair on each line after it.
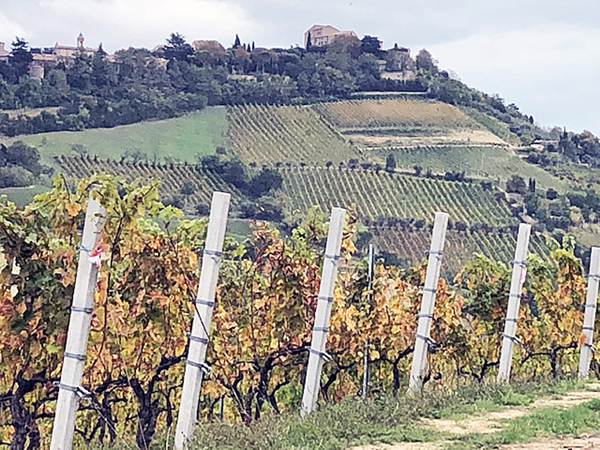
x,y
10,29
549,70
540,54
124,23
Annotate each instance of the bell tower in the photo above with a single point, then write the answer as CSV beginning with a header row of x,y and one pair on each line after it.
x,y
80,40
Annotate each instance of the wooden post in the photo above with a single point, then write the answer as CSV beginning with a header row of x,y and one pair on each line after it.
x,y
589,319
514,301
365,380
70,390
422,340
321,325
196,366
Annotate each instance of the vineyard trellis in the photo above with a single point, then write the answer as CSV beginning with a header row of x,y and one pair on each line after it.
x,y
376,194
263,315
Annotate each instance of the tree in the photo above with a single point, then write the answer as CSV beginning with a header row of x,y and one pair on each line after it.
x,y
103,73
390,162
177,48
237,43
266,180
425,62
20,57
308,41
516,184
370,44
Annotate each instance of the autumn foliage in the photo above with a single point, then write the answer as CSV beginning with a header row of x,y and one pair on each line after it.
x,y
262,321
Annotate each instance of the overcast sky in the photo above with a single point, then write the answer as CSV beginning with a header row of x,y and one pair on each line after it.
x,y
543,55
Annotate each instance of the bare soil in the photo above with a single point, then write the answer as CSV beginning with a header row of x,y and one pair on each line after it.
x,y
584,442
463,137
495,421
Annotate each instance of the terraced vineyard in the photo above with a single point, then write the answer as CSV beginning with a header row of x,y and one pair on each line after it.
x,y
172,177
380,194
412,245
271,134
394,113
487,161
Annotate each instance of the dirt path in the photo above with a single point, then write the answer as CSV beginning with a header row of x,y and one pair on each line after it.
x,y
494,421
584,442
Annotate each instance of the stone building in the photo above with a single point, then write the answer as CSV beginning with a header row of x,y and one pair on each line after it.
x,y
42,57
4,54
399,65
321,35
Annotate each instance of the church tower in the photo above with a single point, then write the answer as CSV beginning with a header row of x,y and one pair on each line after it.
x,y
80,40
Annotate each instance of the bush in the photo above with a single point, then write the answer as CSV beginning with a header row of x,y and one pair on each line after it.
x,y
15,176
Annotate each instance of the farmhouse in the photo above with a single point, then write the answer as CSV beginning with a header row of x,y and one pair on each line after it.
x,y
321,35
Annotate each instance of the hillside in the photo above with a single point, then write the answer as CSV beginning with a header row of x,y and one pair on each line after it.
x,y
327,154
374,194
178,139
460,246
279,134
395,122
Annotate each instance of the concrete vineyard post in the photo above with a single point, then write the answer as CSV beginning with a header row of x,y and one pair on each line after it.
x,y
70,390
589,319
514,299
196,367
371,264
422,340
323,313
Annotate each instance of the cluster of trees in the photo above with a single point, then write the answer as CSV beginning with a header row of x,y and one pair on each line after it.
x,y
255,185
581,148
138,84
20,165
263,317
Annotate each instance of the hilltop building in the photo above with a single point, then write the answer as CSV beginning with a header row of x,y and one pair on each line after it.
x,y
4,54
398,65
43,57
321,35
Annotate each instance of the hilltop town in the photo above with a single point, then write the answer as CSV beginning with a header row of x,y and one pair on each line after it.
x,y
394,64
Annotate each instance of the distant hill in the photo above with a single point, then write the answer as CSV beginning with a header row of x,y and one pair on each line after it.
x,y
335,153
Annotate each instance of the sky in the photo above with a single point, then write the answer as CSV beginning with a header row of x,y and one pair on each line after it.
x,y
542,55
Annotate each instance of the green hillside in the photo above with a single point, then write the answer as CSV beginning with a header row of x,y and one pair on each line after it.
x,y
190,184
181,138
328,154
374,194
279,134
495,162
411,245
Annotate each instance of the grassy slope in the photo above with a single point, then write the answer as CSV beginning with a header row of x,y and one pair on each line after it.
x,y
492,162
385,419
180,138
500,129
22,196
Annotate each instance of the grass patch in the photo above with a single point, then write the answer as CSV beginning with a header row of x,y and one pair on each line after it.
x,y
541,423
386,419
495,126
181,138
490,162
22,195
